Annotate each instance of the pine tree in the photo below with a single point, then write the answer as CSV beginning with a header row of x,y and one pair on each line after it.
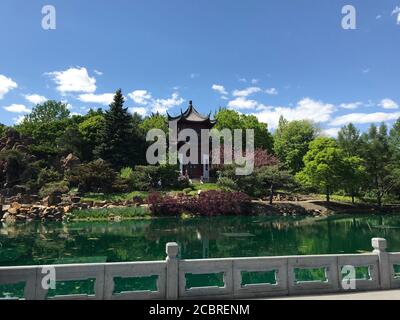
x,y
117,144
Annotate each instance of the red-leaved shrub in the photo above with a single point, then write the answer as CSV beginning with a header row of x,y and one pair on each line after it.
x,y
210,203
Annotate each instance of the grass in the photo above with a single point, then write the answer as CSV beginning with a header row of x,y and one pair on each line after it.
x,y
115,196
104,214
144,194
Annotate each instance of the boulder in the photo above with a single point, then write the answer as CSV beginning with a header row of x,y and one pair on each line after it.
x,y
52,200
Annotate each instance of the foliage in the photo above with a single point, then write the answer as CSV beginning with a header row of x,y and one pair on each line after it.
x,y
95,176
126,173
48,111
90,130
117,142
209,203
3,130
380,161
349,140
324,165
145,178
47,175
231,119
154,121
60,187
291,141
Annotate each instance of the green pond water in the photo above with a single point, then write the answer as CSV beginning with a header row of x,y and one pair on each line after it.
x,y
217,237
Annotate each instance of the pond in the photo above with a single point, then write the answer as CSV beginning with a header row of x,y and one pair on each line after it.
x,y
216,237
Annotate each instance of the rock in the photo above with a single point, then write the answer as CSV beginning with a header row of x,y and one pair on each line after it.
x,y
52,200
13,211
20,217
70,162
16,205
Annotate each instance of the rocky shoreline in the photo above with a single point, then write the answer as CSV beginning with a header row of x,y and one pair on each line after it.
x,y
24,208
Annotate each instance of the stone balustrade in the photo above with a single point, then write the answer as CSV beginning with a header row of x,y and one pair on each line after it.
x,y
170,277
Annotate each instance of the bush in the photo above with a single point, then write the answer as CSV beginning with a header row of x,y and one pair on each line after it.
x,y
48,175
95,176
59,187
145,178
126,173
209,203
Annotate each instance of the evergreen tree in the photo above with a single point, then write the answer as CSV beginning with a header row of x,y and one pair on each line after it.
x,y
117,144
349,140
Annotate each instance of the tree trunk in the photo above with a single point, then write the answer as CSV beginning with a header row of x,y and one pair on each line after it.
x,y
271,194
328,198
352,199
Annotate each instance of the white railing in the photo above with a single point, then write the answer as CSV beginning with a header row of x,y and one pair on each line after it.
x,y
171,276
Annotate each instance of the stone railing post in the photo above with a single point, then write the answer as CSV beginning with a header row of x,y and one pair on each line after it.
x,y
172,250
380,245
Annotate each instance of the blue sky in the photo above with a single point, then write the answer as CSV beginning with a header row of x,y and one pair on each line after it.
x,y
259,57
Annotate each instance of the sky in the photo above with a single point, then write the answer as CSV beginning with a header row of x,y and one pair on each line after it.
x,y
262,57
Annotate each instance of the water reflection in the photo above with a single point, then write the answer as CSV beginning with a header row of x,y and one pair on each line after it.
x,y
199,238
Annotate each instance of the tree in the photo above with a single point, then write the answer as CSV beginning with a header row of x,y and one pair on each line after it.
x,y
272,177
349,140
117,143
378,155
47,112
95,176
154,121
323,166
291,142
231,119
3,129
354,175
90,130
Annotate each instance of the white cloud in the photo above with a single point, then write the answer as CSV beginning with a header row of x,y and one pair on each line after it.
x,y
396,11
271,91
254,81
331,132
162,105
6,85
99,73
140,96
388,104
351,105
220,89
140,110
104,99
194,75
17,108
246,92
35,98
307,109
360,118
73,80
379,16
242,103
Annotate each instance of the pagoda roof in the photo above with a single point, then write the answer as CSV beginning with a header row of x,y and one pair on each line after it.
x,y
191,115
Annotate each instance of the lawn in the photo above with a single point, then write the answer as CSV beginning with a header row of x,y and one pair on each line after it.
x,y
144,194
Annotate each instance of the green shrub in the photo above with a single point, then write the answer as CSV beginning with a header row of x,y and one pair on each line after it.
x,y
54,187
95,176
47,175
126,173
145,178
227,184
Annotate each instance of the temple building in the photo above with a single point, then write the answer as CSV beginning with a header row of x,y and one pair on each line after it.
x,y
192,119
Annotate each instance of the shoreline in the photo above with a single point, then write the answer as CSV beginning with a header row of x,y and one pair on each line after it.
x,y
305,208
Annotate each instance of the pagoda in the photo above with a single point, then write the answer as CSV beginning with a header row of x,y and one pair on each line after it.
x,y
192,119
